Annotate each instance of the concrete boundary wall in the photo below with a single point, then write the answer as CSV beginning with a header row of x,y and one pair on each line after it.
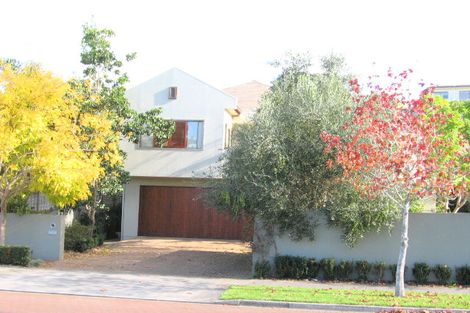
x,y
43,233
434,239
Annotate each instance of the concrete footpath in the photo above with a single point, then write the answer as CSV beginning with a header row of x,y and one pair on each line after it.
x,y
154,287
133,286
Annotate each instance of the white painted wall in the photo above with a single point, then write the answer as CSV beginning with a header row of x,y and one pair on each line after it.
x,y
434,239
69,217
228,122
131,197
43,233
196,101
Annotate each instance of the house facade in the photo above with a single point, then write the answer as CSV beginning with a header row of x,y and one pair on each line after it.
x,y
163,197
453,92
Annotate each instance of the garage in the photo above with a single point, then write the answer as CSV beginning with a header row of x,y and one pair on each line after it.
x,y
180,212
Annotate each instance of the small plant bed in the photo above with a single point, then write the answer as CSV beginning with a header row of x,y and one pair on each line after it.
x,y
348,296
330,269
80,238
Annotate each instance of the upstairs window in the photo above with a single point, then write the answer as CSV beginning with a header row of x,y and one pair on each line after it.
x,y
187,135
172,92
179,139
194,134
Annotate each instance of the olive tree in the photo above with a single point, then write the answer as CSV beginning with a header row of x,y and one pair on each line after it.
x,y
276,170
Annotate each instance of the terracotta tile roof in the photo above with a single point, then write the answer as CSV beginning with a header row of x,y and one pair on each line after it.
x,y
248,96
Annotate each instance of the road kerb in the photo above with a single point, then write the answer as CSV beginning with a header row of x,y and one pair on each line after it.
x,y
327,307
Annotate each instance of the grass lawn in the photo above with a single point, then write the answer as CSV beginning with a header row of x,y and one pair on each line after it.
x,y
348,296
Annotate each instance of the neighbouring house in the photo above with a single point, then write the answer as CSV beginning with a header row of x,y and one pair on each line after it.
x,y
248,96
163,196
39,202
453,93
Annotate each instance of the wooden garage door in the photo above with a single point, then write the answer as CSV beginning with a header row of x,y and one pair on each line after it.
x,y
179,212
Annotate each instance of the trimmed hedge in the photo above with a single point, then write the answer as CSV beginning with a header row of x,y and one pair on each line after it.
x,y
312,268
328,266
421,273
442,273
262,269
344,270
15,255
363,269
378,269
462,275
296,267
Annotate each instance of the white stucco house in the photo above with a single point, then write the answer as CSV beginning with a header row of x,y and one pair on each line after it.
x,y
453,92
163,195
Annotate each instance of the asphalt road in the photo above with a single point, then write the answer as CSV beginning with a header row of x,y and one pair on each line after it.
x,y
22,302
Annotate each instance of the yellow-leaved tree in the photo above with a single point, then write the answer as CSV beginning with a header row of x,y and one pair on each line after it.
x,y
44,143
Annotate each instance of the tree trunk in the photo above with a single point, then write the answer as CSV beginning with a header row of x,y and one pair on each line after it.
x,y
96,201
3,220
93,220
91,208
400,274
460,201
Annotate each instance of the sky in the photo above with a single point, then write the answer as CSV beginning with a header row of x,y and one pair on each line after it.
x,y
228,42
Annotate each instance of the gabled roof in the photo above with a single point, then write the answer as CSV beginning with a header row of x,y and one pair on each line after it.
x,y
154,92
177,70
248,96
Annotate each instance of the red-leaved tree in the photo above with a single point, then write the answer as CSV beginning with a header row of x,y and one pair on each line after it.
x,y
393,148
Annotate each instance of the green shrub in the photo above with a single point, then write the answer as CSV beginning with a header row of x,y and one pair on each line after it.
x,y
79,238
312,268
442,273
283,266
19,205
262,269
379,270
393,271
462,275
327,266
362,269
99,239
15,255
299,267
344,270
294,267
421,273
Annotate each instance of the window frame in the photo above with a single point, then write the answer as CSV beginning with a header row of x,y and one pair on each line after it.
x,y
200,129
227,136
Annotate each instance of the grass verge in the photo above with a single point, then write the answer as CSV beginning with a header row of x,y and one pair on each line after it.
x,y
348,296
